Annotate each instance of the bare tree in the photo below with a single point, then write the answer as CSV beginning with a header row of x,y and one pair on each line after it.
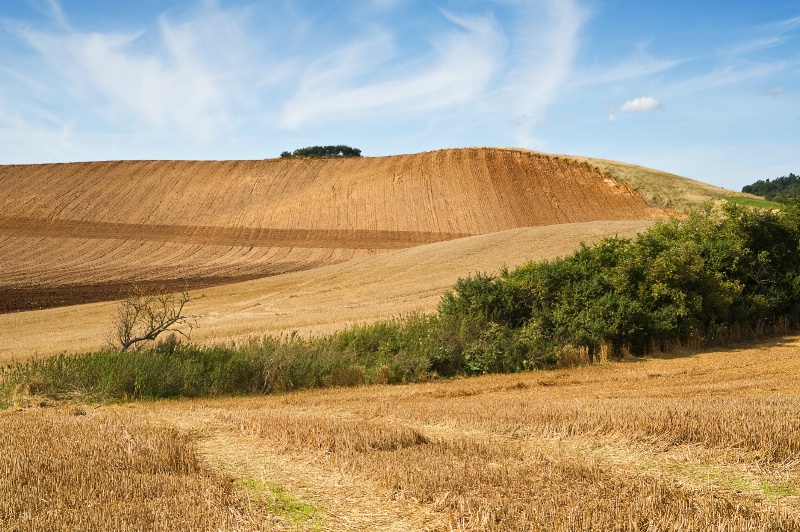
x,y
146,313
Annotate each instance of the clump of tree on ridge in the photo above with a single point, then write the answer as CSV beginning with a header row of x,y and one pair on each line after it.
x,y
323,151
779,190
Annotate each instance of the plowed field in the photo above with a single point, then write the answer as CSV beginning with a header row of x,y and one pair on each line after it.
x,y
471,191
83,232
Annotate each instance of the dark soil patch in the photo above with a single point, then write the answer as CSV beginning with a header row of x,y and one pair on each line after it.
x,y
38,298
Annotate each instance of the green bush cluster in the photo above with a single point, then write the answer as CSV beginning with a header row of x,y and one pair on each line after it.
x,y
363,354
723,270
719,275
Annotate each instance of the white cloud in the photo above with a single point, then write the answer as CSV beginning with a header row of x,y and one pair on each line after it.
x,y
644,104
463,62
184,77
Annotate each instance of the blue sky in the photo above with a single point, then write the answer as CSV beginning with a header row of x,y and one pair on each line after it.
x,y
709,90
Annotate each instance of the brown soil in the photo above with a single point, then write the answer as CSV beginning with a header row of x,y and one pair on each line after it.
x,y
37,298
223,236
468,191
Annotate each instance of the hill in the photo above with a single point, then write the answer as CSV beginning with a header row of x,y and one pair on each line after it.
x,y
666,190
81,232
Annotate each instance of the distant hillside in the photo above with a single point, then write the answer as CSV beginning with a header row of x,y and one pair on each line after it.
x,y
451,192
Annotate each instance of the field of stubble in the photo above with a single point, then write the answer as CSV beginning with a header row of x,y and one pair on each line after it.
x,y
703,442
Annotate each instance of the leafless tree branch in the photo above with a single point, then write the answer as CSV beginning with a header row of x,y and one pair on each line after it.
x,y
146,313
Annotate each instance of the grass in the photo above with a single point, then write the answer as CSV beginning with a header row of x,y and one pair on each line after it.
x,y
384,352
759,203
279,501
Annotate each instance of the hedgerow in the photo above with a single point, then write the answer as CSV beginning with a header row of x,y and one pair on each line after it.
x,y
720,272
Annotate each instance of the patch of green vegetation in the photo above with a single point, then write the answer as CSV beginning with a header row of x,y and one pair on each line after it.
x,y
281,502
769,489
706,473
755,202
778,490
323,151
387,352
781,189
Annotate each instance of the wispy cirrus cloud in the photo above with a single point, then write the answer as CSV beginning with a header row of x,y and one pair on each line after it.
x,y
198,73
185,77
513,71
343,83
774,91
545,42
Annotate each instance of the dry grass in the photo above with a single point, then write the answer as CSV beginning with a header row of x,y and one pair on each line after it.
x,y
703,442
69,469
319,300
663,189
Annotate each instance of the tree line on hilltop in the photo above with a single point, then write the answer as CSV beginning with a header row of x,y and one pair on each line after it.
x,y
323,151
779,190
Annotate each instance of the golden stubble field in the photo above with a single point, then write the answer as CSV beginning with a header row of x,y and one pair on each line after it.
x,y
696,442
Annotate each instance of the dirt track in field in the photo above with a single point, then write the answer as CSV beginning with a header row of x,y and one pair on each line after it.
x,y
83,232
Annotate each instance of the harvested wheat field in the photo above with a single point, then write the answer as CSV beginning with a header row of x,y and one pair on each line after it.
x,y
702,442
82,232
316,301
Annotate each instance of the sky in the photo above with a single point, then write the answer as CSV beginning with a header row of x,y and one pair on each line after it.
x,y
708,90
